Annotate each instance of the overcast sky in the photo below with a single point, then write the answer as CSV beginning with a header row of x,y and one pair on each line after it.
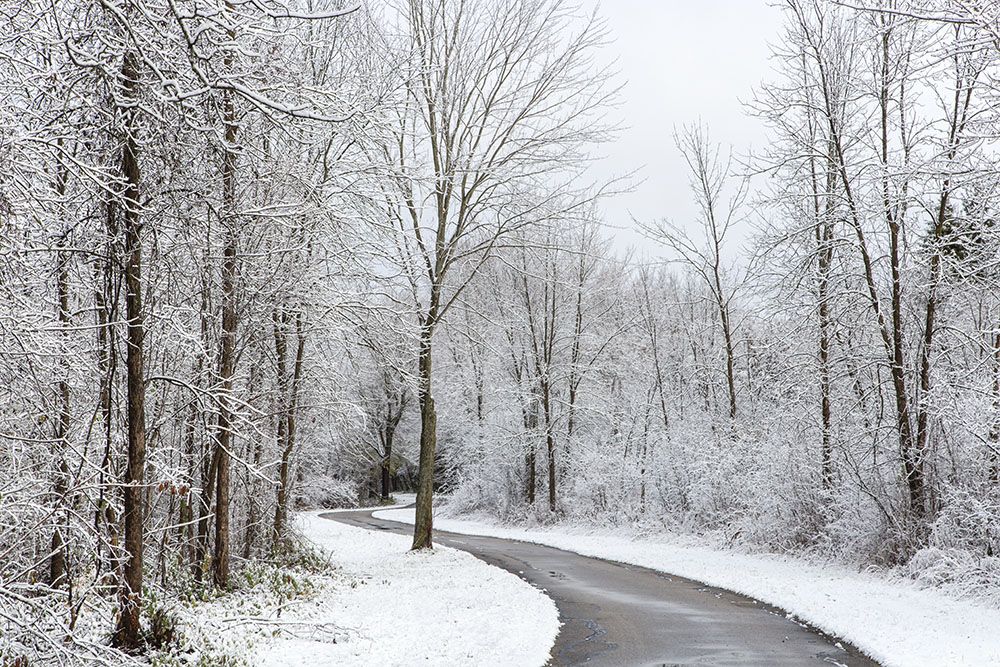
x,y
681,61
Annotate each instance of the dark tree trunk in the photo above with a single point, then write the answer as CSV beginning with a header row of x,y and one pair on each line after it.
x,y
892,337
386,475
57,562
186,531
727,334
550,443
205,514
390,432
281,511
127,634
994,435
423,526
220,558
531,425
106,363
281,369
961,101
824,249
913,464
206,468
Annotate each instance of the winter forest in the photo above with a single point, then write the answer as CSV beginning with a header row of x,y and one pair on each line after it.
x,y
260,256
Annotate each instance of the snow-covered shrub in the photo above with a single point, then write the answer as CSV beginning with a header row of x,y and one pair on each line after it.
x,y
969,520
961,572
963,551
322,491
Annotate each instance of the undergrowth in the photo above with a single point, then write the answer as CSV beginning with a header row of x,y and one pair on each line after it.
x,y
192,630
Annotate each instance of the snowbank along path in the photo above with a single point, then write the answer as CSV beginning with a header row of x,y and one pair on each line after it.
x,y
393,608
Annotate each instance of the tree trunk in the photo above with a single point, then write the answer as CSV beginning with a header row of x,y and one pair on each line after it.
x,y
281,511
913,464
892,339
57,562
730,353
220,554
826,447
281,369
531,424
220,559
128,630
224,443
186,532
994,435
550,443
106,364
205,513
959,115
423,526
643,455
199,558
390,432
824,250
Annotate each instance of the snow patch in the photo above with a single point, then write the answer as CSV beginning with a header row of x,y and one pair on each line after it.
x,y
388,606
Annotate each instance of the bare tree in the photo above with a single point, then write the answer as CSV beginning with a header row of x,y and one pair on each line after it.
x,y
709,173
498,98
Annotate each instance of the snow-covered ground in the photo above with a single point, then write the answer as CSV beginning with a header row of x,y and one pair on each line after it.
x,y
385,605
892,620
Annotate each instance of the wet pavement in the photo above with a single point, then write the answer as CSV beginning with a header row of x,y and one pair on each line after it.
x,y
619,615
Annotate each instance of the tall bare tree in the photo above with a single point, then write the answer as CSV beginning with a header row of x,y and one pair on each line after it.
x,y
500,95
719,209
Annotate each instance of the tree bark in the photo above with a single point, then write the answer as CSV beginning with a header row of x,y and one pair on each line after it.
x,y
386,459
959,115
281,368
57,562
530,415
281,511
730,353
550,443
423,526
127,634
823,216
106,310
185,533
394,412
205,513
220,558
994,434
199,561
913,460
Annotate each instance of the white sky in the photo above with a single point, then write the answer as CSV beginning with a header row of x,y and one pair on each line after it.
x,y
681,61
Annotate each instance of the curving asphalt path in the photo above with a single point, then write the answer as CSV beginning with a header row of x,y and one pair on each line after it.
x,y
619,615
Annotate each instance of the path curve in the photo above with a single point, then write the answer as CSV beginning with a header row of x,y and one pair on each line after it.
x,y
617,615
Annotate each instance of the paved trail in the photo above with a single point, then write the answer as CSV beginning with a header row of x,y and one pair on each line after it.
x,y
618,615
